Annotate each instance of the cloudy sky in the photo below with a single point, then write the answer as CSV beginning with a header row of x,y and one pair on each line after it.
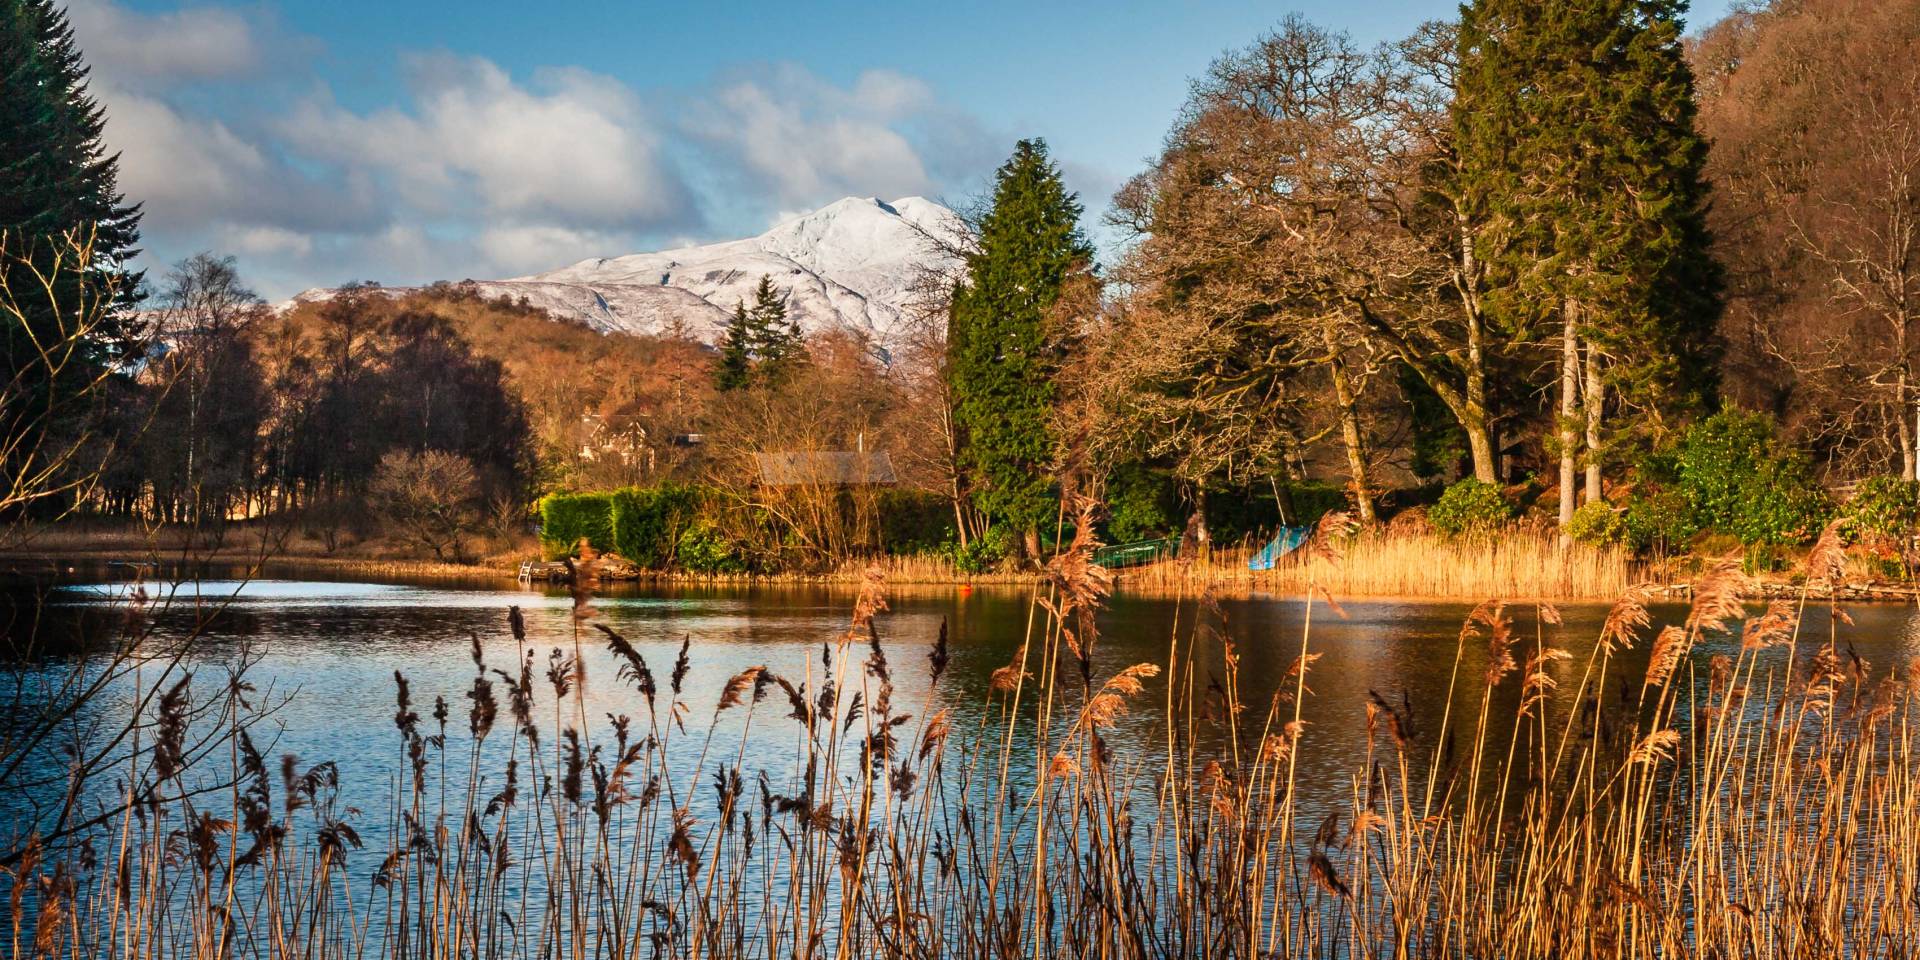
x,y
322,141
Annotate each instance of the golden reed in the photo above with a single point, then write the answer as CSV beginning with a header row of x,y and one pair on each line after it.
x,y
1760,798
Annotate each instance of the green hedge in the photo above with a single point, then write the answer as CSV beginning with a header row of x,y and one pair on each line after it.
x,y
647,521
670,526
565,518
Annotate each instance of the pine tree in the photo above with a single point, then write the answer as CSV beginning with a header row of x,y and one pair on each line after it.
x,y
735,369
1582,168
57,182
778,344
1001,357
761,344
65,239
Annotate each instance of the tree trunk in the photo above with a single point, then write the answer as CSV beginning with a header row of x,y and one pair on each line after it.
x,y
1473,413
1569,407
1902,402
957,489
1032,538
1476,418
1351,438
1467,401
1595,396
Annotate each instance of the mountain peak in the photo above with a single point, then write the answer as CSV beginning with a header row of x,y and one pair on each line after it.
x,y
857,263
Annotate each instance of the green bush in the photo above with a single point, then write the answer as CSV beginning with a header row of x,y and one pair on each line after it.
x,y
914,521
1597,522
1253,511
703,548
566,518
647,521
983,553
1141,504
1886,507
1658,520
1736,479
1885,514
1311,501
1470,508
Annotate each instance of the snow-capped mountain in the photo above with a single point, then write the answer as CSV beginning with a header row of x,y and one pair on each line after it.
x,y
854,263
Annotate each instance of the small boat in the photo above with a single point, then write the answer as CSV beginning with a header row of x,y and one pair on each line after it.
x,y
1135,553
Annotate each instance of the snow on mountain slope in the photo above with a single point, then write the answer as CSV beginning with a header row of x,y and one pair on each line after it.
x,y
853,264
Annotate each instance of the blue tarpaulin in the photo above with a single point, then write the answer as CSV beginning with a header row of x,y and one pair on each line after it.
x,y
1286,541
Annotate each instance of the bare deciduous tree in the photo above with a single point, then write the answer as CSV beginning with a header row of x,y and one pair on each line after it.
x,y
1814,108
430,497
56,382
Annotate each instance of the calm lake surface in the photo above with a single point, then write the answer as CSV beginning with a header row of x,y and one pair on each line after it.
x,y
334,647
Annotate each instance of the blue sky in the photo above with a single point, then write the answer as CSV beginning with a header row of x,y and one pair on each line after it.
x,y
401,142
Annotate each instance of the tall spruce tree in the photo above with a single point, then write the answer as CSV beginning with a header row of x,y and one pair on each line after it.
x,y
57,180
735,367
1582,168
761,343
777,343
1001,356
65,238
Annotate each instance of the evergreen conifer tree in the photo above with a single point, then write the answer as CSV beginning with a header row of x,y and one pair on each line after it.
x,y
65,238
1001,356
777,343
761,343
735,368
1582,168
57,181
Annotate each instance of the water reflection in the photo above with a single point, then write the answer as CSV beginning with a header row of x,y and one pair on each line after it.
x,y
336,646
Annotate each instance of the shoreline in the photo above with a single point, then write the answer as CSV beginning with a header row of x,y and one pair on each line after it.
x,y
1151,581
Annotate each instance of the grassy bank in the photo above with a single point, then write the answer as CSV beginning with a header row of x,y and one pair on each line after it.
x,y
238,549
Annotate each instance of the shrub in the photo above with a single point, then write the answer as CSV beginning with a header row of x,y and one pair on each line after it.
x,y
1253,511
1410,522
1658,520
1470,508
646,522
1141,504
1597,522
566,518
1737,480
1886,507
703,548
1885,514
913,521
983,553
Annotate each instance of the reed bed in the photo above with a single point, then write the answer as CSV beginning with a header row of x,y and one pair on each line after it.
x,y
1760,803
1515,564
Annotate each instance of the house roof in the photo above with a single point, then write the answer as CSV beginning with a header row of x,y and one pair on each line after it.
x,y
790,468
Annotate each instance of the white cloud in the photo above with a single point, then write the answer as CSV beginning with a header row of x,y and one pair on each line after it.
x,y
517,250
575,148
268,242
472,171
197,43
810,141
